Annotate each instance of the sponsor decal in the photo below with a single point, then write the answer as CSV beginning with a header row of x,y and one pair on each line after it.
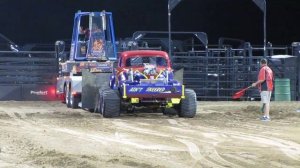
x,y
39,93
155,89
135,89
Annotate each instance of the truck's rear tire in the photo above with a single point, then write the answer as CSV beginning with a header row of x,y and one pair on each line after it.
x,y
67,96
74,101
188,105
98,102
63,98
110,103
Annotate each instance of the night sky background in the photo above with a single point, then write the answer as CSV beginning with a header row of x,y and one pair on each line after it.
x,y
45,21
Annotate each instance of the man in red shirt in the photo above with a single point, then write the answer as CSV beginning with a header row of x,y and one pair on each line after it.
x,y
265,86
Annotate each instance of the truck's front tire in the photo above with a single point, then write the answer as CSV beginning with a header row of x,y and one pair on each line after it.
x,y
188,105
110,103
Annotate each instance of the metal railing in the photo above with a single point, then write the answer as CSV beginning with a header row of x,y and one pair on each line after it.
x,y
217,73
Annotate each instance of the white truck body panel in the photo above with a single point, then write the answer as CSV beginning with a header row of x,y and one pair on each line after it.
x,y
76,83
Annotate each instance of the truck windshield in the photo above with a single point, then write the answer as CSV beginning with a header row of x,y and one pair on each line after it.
x,y
142,60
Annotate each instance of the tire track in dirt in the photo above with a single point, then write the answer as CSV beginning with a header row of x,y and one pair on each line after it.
x,y
210,147
107,140
12,114
195,152
241,159
24,153
202,143
6,153
6,161
215,136
289,148
96,137
117,138
196,155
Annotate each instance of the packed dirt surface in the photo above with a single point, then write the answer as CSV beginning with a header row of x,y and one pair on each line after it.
x,y
222,134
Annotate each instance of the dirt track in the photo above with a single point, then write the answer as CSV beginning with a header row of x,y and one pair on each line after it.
x,y
223,134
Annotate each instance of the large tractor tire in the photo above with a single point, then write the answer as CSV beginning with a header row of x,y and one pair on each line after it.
x,y
110,103
188,105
